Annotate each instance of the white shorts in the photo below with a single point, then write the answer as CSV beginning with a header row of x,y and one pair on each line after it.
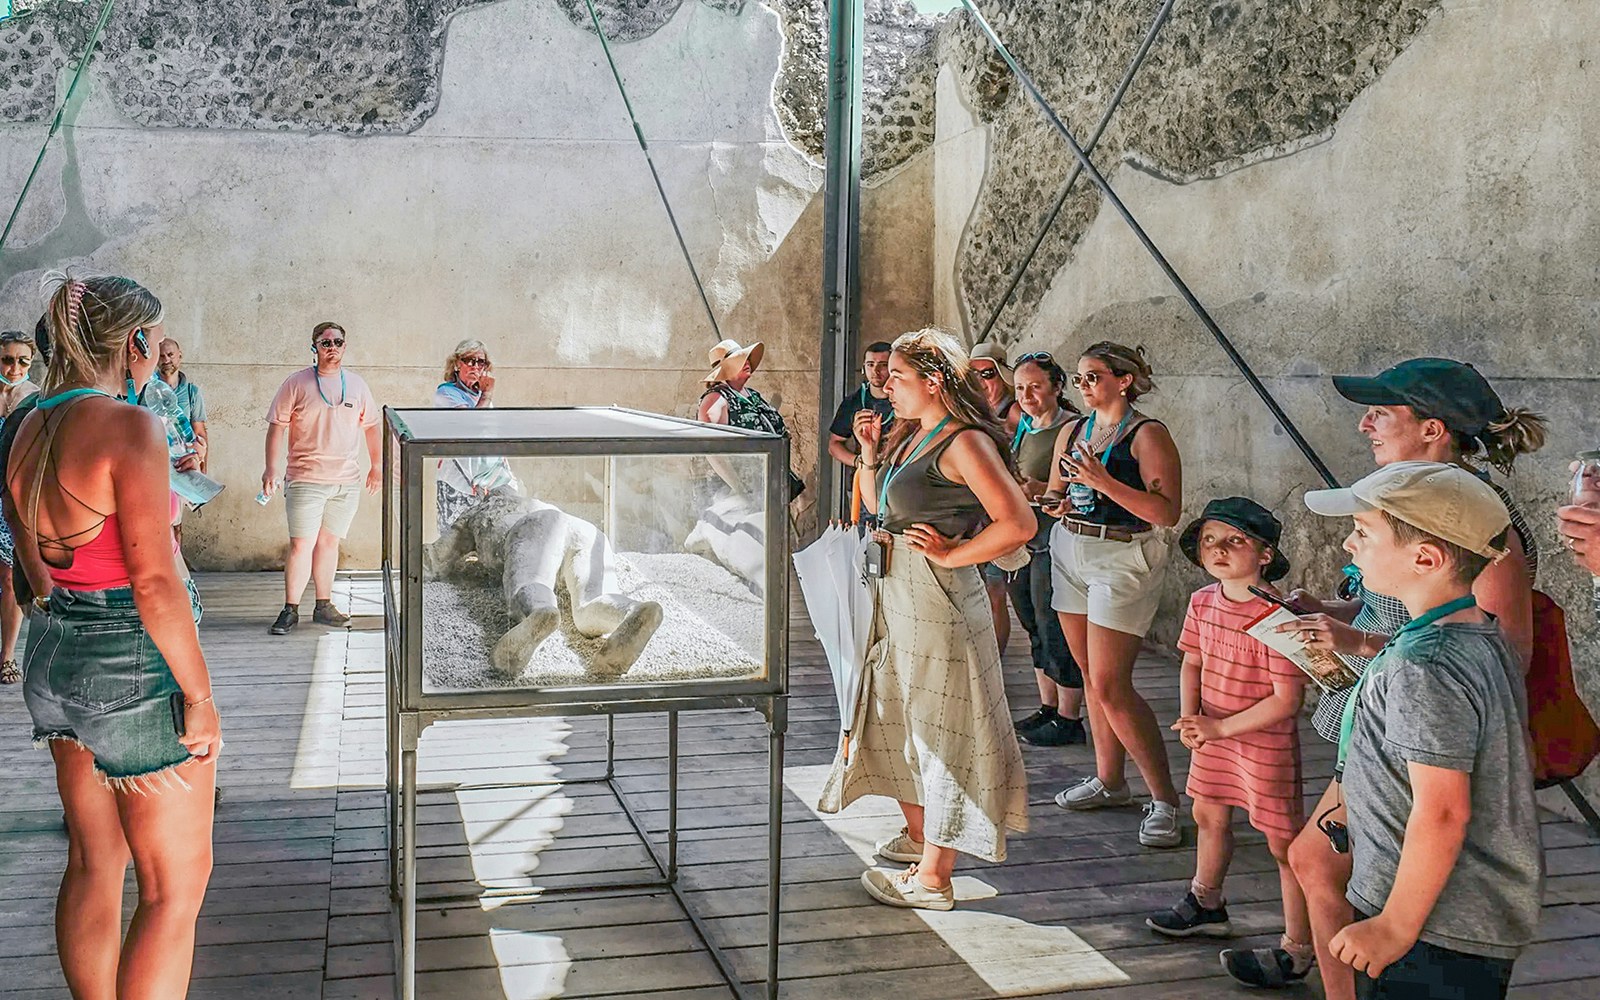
x,y
1116,584
314,507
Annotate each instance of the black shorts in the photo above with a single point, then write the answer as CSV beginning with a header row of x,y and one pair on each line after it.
x,y
1429,972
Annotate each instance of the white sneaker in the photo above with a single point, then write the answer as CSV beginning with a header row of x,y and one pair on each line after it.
x,y
1160,826
1091,794
900,848
903,888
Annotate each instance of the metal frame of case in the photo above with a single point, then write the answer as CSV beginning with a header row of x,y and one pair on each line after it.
x,y
410,709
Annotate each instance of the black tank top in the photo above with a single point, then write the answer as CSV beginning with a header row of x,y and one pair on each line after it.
x,y
1124,468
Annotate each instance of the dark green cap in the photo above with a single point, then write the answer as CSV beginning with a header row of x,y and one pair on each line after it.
x,y
1437,388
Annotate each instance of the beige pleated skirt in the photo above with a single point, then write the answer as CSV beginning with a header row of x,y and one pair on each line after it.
x,y
932,726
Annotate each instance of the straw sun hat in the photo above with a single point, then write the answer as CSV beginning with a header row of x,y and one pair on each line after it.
x,y
728,357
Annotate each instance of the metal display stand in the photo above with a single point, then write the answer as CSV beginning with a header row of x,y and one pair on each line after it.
x,y
413,437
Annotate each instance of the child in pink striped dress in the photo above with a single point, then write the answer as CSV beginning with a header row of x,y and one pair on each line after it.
x,y
1240,701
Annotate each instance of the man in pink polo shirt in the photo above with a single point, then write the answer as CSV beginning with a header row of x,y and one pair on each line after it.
x,y
320,417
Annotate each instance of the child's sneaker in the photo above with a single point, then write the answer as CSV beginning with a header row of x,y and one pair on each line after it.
x,y
1091,794
1190,919
905,889
1055,732
901,848
1269,968
1159,827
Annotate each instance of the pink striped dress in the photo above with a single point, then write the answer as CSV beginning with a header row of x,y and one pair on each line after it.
x,y
1260,771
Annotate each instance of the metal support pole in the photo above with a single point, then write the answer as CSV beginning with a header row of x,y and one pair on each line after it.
x,y
611,746
1151,248
1581,804
408,901
777,724
672,796
841,236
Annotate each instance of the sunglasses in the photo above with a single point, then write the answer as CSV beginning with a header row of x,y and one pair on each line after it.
x,y
475,362
986,373
337,342
1038,358
22,362
1087,378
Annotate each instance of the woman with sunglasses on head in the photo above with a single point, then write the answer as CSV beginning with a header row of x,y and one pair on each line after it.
x,y
1041,387
468,384
931,728
1116,477
16,358
115,680
1422,410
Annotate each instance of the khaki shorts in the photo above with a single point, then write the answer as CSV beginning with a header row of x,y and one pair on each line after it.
x,y
314,507
1116,584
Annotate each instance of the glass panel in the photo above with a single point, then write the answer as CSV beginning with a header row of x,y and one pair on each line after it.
x,y
575,571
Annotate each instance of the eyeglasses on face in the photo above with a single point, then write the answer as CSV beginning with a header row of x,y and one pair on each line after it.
x,y
475,362
331,342
1038,358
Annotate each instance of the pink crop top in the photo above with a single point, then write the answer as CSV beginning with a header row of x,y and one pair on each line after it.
x,y
99,564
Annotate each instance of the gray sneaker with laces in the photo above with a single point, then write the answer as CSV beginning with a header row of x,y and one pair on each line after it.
x,y
1091,794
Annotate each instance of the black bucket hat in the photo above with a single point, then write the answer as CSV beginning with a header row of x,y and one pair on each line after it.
x,y
1449,391
1250,518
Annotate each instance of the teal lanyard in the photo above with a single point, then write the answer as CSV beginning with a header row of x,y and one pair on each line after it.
x,y
316,376
1347,721
51,402
895,469
1025,427
1088,433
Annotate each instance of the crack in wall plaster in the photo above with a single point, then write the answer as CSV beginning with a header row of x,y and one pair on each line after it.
x,y
75,235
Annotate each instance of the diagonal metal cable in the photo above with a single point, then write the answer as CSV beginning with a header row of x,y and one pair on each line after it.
x,y
655,175
1077,168
55,123
1150,247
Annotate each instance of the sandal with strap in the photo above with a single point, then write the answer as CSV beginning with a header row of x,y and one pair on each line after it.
x,y
1267,968
10,673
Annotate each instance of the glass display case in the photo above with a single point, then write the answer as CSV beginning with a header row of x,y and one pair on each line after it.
x,y
581,561
556,555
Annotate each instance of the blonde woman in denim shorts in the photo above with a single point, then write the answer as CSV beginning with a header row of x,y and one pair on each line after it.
x,y
114,678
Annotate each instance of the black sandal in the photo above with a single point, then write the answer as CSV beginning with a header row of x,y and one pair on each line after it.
x,y
1267,968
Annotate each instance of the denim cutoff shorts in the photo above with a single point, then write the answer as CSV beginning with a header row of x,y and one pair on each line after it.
x,y
94,676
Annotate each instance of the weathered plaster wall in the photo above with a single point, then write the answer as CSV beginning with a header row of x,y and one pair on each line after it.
x,y
497,193
1450,210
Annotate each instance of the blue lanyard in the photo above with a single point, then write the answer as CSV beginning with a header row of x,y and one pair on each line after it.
x,y
1347,721
316,376
895,469
51,402
1088,433
1025,427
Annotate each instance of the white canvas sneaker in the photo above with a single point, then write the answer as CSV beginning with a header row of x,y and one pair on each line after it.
x,y
901,848
1160,826
1091,794
903,888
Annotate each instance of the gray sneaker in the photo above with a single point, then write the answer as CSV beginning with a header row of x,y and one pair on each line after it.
x,y
1160,826
1091,794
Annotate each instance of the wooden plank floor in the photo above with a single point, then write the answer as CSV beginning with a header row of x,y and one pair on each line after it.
x,y
299,909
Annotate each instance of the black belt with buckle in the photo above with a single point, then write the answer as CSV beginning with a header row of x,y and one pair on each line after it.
x,y
1089,529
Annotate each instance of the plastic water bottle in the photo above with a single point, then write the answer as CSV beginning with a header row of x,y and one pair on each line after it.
x,y
263,498
159,398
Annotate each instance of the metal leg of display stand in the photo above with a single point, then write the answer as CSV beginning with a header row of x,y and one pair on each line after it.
x,y
405,734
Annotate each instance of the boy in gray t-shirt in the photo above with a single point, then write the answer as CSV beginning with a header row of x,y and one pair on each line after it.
x,y
1444,832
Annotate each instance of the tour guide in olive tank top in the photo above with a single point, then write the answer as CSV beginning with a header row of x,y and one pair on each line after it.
x,y
918,493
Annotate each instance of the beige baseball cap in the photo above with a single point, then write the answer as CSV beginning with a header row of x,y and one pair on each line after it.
x,y
1446,501
991,351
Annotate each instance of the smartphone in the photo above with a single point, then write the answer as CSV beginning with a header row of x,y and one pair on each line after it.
x,y
175,703
1272,598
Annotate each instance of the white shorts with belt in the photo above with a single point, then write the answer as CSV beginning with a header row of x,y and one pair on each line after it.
x,y
1116,584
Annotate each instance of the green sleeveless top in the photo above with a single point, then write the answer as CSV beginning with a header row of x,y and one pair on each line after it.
x,y
748,410
921,494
